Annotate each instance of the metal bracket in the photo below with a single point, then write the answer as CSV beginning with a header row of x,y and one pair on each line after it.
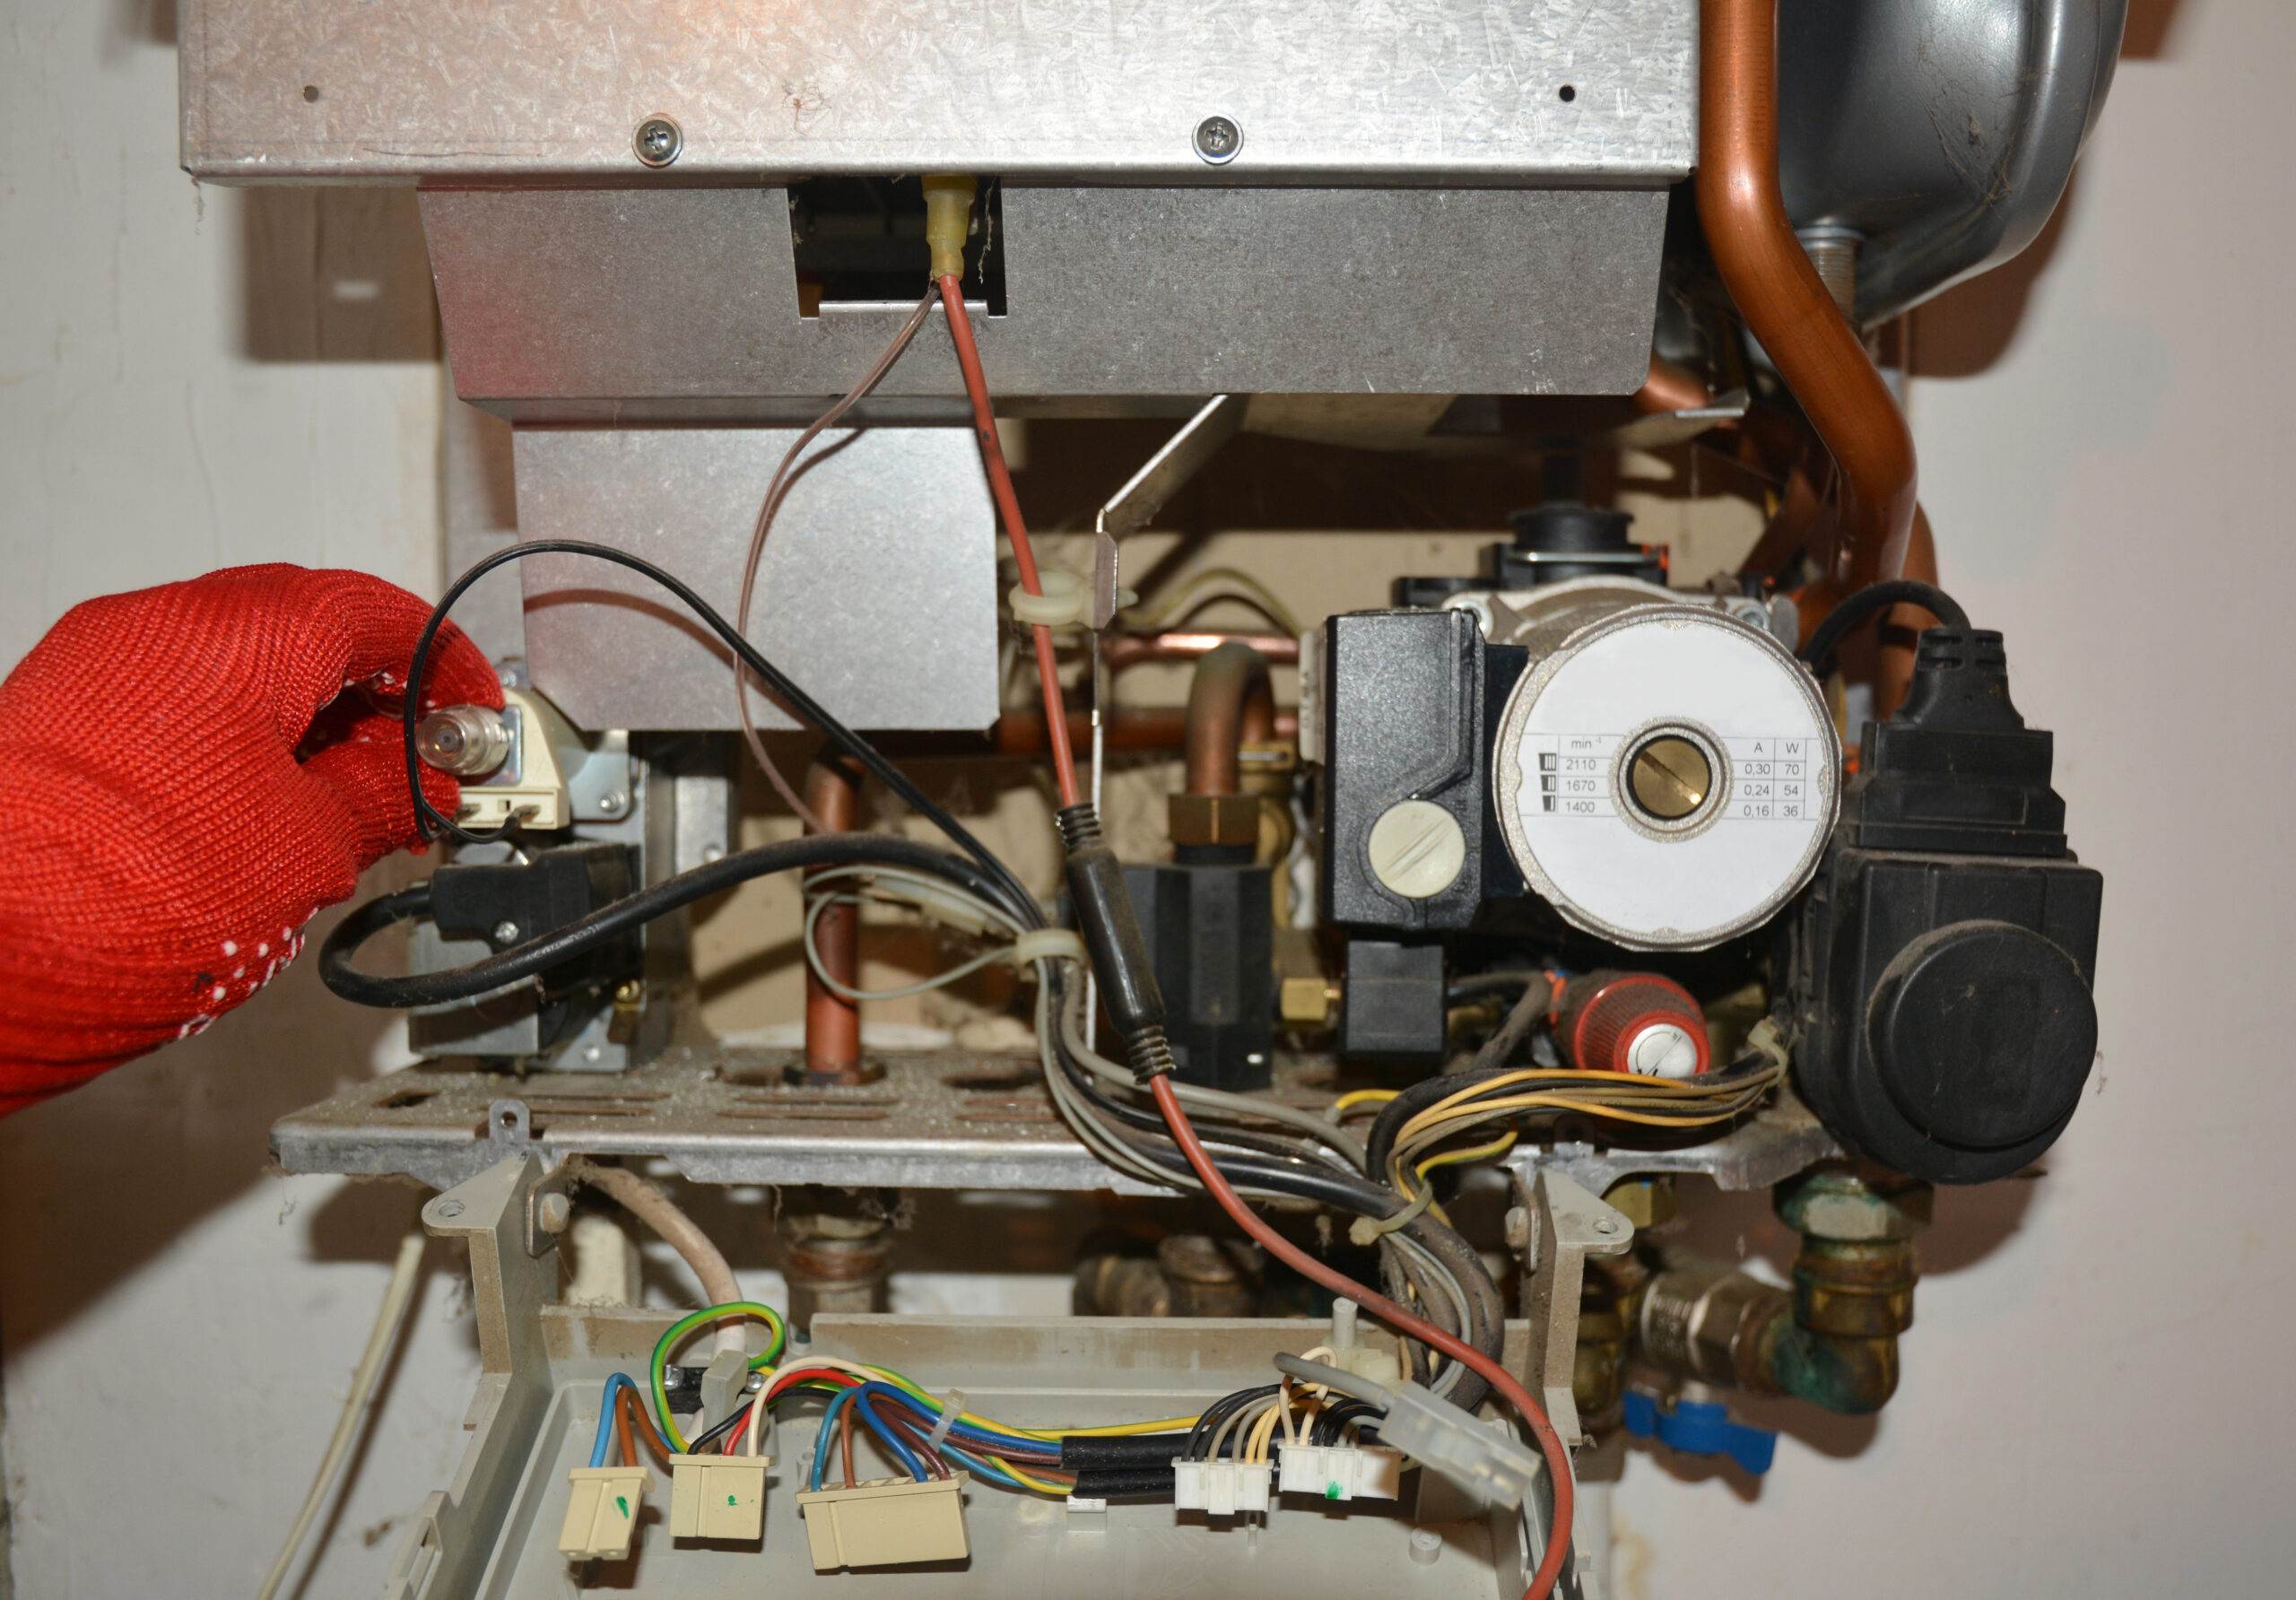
x,y
1144,493
549,1199
1567,1225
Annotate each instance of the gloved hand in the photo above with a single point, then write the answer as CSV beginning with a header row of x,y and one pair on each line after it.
x,y
191,772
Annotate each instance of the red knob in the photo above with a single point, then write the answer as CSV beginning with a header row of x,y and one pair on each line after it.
x,y
1635,1022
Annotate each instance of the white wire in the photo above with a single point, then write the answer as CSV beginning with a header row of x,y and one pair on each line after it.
x,y
844,991
396,1296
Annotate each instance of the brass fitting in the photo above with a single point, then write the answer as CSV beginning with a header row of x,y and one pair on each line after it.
x,y
1645,1201
1215,820
948,221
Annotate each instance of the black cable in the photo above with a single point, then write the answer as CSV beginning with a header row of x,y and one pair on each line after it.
x,y
1082,1452
611,921
1873,597
1380,1143
430,823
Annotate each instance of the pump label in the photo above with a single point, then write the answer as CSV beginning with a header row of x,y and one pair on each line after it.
x,y
1770,777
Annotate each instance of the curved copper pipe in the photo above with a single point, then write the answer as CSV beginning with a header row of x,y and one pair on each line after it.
x,y
1670,388
1769,275
1129,649
1230,704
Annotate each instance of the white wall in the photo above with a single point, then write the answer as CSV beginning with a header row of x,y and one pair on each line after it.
x,y
2095,1398
189,381
2092,1402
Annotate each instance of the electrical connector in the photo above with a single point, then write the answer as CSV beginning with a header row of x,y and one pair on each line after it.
x,y
718,1497
1221,1487
1470,1452
602,1511
1340,1472
886,1523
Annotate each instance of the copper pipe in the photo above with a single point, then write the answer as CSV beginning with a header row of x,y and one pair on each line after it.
x,y
1670,388
832,1022
1022,733
1128,649
1786,305
1229,705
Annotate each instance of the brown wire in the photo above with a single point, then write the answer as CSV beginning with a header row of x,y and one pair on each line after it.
x,y
628,1407
766,510
845,1441
915,1441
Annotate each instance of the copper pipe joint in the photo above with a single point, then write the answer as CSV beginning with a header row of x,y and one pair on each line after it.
x,y
1022,733
832,1022
1670,388
1121,650
1783,301
1229,705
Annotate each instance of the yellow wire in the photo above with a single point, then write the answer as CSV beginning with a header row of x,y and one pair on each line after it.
x,y
1038,1484
1165,1425
1450,1158
1362,1097
1263,1430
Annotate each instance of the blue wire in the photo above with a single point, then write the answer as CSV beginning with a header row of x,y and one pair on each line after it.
x,y
618,1380
985,1468
876,1425
858,1397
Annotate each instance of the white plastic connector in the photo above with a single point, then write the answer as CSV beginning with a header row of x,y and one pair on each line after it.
x,y
1221,1487
1472,1454
1067,601
886,1523
602,1511
718,1497
1340,1472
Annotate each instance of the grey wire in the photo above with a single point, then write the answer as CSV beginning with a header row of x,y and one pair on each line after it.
x,y
1219,1100
1367,1390
1443,1278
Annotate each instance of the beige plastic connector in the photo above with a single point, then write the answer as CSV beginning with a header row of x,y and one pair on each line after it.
x,y
718,1497
603,1511
529,786
886,1523
948,220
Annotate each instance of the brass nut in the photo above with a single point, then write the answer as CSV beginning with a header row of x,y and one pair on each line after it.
x,y
1306,1002
1214,819
1645,1201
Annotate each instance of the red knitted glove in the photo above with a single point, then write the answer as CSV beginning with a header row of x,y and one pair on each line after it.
x,y
176,807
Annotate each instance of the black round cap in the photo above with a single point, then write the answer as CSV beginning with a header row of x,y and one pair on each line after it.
x,y
1982,1033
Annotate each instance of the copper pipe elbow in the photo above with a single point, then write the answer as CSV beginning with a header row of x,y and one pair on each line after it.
x,y
1786,305
1230,704
1670,388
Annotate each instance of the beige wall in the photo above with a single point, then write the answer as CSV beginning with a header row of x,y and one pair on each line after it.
x,y
2092,1402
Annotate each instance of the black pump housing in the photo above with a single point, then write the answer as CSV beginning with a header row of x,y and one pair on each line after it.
x,y
1946,950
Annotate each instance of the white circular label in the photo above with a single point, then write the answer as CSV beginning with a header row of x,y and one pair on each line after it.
x,y
1566,804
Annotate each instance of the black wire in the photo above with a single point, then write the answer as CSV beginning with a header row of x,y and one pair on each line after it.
x,y
1199,1436
740,1415
430,823
1331,1421
611,921
1873,597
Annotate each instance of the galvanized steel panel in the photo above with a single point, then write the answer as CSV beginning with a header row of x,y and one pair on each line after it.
x,y
877,595
681,304
1323,91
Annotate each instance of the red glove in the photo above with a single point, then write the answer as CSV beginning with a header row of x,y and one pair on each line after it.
x,y
176,807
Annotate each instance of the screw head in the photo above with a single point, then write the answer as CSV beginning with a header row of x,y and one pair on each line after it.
x,y
658,142
447,1210
552,1213
611,804
506,932
1218,139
